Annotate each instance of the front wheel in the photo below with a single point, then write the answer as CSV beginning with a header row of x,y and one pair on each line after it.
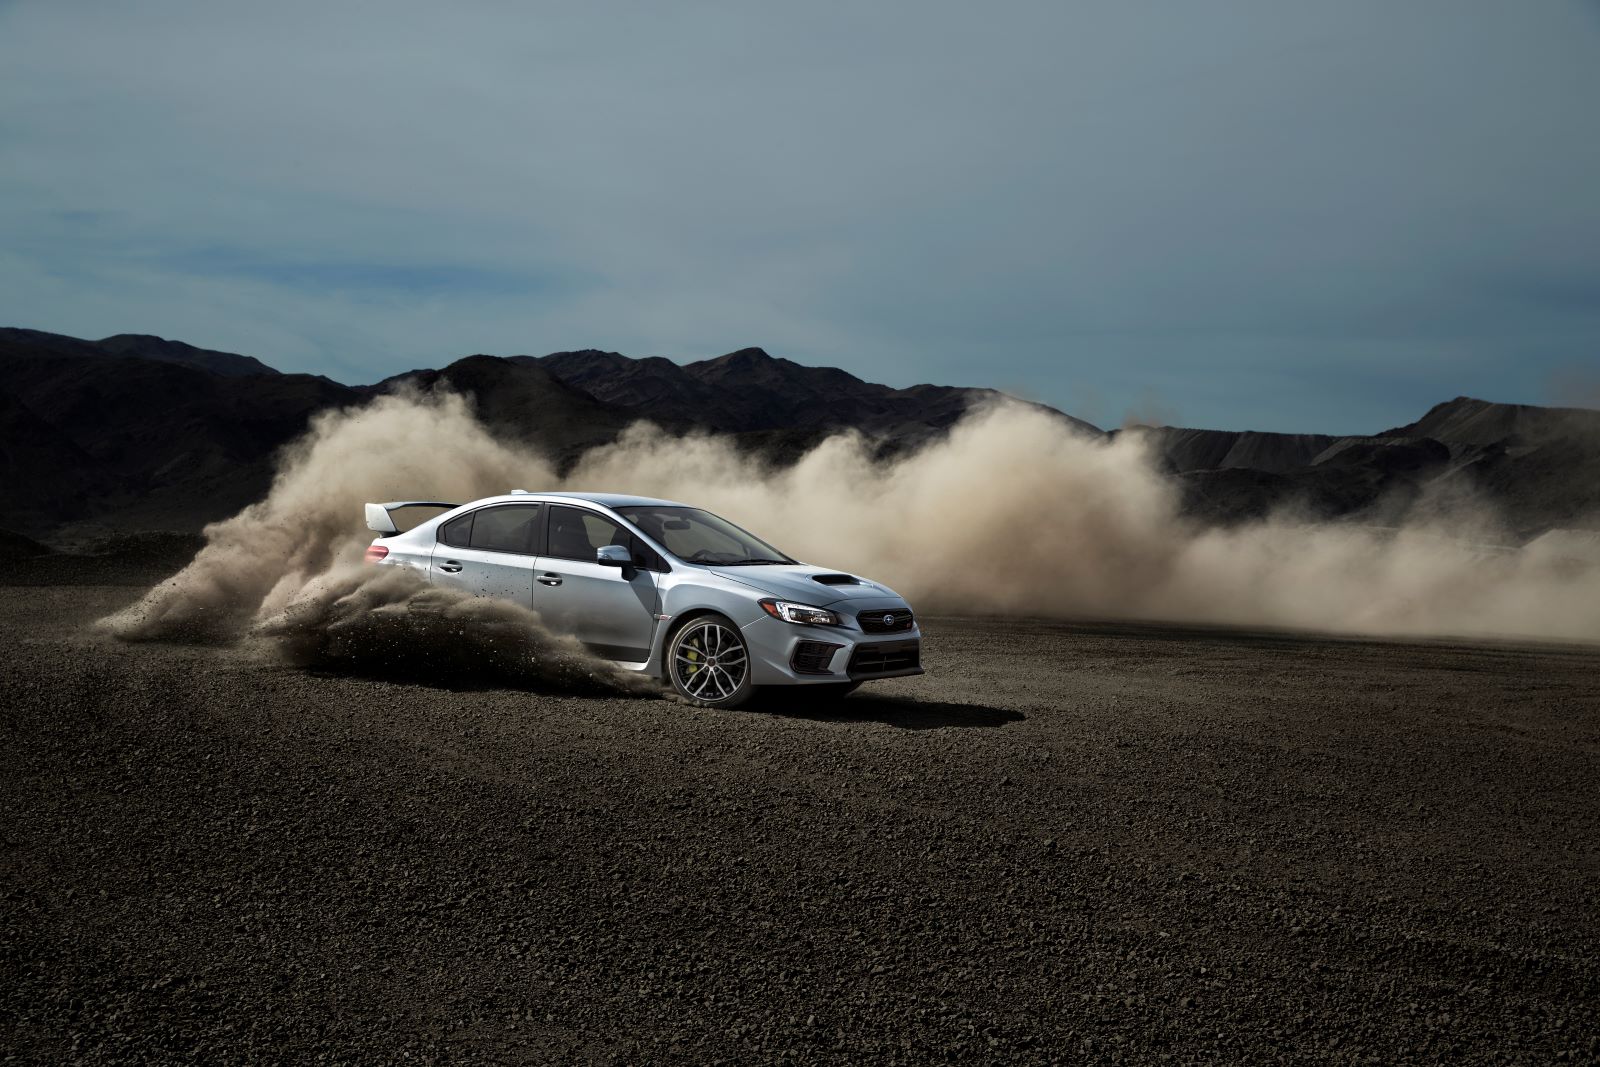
x,y
709,663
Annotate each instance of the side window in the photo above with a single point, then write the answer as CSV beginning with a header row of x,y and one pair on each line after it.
x,y
505,529
576,533
457,532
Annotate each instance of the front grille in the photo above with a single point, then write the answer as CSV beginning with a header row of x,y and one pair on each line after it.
x,y
812,657
879,622
885,657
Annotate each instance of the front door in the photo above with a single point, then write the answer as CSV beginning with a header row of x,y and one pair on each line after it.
x,y
610,609
489,552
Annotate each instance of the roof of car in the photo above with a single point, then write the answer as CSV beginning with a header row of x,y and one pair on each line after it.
x,y
609,500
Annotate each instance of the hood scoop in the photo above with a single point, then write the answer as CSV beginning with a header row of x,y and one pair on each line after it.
x,y
804,584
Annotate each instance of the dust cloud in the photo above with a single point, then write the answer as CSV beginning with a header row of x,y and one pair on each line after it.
x,y
1013,512
401,445
283,570
1016,513
387,622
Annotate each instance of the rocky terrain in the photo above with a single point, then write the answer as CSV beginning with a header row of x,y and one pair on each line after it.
x,y
1068,842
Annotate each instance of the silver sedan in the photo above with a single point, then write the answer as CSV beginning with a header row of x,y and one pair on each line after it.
x,y
662,588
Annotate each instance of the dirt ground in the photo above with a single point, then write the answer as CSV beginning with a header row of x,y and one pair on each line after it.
x,y
1068,842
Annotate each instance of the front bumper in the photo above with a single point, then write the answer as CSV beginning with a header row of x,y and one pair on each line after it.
x,y
782,653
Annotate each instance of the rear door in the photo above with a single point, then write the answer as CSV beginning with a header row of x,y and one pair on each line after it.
x,y
610,609
489,552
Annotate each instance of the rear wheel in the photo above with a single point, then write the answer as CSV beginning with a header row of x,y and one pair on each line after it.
x,y
709,663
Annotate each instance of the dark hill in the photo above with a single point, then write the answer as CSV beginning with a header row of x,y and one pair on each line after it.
x,y
15,546
649,384
153,442
136,432
1199,450
142,346
527,403
45,476
1468,421
1539,467
752,392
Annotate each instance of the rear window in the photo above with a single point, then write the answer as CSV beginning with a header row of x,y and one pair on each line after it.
x,y
457,532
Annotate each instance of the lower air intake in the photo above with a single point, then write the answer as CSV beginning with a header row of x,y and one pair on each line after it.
x,y
885,657
813,657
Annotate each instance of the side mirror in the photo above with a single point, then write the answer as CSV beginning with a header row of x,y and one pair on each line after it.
x,y
613,556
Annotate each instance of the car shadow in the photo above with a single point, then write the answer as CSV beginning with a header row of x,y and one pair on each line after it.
x,y
904,713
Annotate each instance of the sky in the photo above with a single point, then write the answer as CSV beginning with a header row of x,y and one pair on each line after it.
x,y
1274,215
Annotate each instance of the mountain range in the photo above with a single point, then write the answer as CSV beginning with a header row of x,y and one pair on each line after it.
x,y
136,432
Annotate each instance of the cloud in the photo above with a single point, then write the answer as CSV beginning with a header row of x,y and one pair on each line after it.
x,y
1280,216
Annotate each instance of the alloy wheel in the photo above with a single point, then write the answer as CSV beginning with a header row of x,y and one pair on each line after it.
x,y
709,662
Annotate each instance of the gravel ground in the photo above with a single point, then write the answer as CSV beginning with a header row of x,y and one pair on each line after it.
x,y
1068,842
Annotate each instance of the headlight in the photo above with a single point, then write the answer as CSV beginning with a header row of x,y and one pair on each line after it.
x,y
799,614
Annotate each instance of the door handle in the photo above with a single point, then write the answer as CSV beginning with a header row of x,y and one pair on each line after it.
x,y
450,565
549,579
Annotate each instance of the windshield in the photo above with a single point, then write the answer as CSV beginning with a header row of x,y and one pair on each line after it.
x,y
696,536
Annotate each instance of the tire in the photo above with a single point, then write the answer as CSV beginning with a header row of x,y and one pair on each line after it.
x,y
708,663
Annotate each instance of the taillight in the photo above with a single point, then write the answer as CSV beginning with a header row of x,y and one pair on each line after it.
x,y
376,552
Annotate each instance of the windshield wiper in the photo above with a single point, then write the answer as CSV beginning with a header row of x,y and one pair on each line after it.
x,y
752,563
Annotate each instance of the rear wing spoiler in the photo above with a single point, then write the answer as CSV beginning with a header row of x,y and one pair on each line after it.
x,y
379,519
